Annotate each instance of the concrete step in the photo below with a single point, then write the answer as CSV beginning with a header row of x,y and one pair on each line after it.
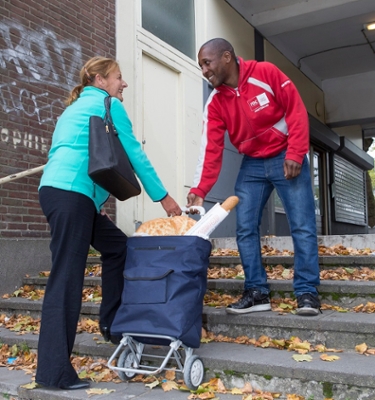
x,y
341,330
330,328
345,294
288,261
349,378
335,292
366,241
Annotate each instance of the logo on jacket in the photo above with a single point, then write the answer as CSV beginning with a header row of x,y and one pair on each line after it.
x,y
259,102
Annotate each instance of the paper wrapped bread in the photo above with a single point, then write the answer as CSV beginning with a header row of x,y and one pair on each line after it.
x,y
173,226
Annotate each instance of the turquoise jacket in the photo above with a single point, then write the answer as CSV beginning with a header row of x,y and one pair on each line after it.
x,y
67,166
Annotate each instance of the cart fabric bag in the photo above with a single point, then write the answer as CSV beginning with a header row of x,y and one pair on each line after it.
x,y
165,280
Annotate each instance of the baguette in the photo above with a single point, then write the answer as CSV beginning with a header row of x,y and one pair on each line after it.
x,y
230,203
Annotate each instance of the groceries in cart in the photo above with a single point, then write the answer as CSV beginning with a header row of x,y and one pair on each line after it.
x,y
183,225
172,226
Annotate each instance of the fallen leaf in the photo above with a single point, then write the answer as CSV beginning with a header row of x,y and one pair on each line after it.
x,y
170,375
31,385
93,392
247,388
361,348
207,395
320,348
326,357
294,397
153,384
169,385
304,346
302,357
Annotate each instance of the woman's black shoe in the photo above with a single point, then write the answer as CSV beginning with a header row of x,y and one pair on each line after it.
x,y
116,339
106,333
104,330
80,384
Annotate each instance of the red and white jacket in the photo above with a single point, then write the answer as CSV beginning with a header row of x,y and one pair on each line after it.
x,y
263,116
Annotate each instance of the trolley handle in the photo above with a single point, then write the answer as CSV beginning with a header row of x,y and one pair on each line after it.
x,y
194,210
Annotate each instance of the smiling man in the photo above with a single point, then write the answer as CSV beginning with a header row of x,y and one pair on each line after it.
x,y
267,122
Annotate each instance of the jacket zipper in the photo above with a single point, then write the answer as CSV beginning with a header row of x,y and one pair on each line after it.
x,y
94,195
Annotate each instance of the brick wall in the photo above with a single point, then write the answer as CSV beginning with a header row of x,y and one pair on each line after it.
x,y
43,45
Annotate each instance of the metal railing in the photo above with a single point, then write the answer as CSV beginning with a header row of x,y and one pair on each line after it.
x,y
21,174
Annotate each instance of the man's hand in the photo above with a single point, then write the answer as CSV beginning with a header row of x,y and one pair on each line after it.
x,y
194,200
291,169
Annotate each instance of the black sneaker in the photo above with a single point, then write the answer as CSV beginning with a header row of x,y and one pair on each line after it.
x,y
308,304
252,300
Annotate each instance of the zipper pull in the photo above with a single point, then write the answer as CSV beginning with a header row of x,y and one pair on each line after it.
x,y
237,92
106,128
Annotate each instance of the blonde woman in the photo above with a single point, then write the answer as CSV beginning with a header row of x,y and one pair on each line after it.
x,y
72,204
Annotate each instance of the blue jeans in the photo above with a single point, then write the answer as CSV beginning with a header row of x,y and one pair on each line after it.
x,y
255,182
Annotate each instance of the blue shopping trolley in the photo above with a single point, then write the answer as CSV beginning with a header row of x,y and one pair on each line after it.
x,y
165,280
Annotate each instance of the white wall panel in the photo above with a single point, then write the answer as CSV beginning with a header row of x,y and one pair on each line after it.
x,y
161,127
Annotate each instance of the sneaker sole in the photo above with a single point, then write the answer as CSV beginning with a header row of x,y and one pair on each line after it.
x,y
307,311
259,307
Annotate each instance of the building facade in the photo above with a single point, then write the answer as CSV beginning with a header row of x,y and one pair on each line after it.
x,y
44,45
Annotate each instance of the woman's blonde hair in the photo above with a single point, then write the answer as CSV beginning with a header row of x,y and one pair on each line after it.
x,y
96,65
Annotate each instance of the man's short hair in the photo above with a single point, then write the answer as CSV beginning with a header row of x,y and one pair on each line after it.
x,y
219,46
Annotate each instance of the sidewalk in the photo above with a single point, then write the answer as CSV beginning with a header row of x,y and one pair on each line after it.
x,y
11,380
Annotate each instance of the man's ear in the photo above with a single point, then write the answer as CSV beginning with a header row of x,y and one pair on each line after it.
x,y
227,56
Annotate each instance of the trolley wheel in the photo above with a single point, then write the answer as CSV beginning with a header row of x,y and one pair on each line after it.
x,y
193,372
126,360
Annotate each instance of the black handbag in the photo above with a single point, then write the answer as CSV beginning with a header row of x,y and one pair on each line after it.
x,y
109,165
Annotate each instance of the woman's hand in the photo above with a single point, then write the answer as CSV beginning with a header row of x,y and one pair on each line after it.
x,y
102,212
170,206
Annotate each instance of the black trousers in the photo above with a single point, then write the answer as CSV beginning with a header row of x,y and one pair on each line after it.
x,y
74,224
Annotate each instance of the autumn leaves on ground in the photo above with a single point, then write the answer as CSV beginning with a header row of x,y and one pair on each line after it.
x,y
20,357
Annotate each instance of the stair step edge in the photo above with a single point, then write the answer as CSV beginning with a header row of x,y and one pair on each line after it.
x,y
328,321
326,286
242,359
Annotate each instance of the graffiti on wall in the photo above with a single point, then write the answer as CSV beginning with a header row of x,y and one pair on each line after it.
x,y
37,58
32,105
28,140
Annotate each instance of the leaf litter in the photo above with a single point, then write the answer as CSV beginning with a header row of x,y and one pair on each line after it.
x,y
20,357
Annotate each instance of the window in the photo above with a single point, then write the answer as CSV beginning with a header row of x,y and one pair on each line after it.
x,y
349,192
171,21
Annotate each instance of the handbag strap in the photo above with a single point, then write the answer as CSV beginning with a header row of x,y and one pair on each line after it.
x,y
108,118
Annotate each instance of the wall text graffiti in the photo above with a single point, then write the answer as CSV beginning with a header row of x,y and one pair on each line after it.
x,y
39,57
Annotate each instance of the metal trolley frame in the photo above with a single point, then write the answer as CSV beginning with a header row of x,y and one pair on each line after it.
x,y
132,359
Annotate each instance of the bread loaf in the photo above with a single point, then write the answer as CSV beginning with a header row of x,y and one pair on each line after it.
x,y
230,203
173,226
